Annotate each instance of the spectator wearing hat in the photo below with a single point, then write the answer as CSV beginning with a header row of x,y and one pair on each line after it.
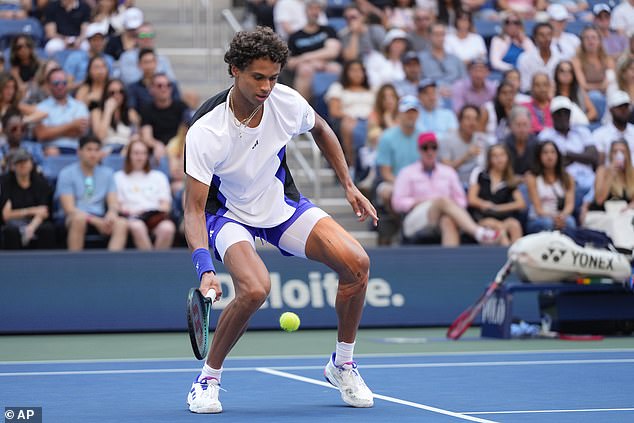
x,y
420,35
542,59
575,143
622,19
433,200
465,43
614,43
441,66
67,118
14,132
117,44
432,117
66,21
475,89
618,128
314,48
358,39
76,64
25,204
387,66
413,73
565,43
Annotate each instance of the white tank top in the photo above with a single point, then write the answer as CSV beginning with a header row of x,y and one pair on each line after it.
x,y
548,194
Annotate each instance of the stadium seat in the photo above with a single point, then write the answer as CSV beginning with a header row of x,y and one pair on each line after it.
x,y
52,165
321,83
337,23
487,29
114,161
9,28
575,27
334,8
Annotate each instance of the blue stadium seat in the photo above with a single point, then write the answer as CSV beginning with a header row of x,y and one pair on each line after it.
x,y
336,7
576,27
114,161
487,29
12,27
321,83
337,23
53,164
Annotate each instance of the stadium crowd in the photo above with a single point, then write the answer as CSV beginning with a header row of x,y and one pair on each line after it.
x,y
462,120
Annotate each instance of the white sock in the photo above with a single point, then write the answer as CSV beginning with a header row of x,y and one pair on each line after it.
x,y
343,353
211,372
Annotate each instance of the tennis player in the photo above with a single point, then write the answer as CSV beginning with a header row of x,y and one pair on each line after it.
x,y
238,187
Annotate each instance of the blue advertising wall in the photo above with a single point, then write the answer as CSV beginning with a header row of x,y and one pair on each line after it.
x,y
97,291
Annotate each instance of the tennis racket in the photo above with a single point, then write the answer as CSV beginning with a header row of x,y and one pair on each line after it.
x,y
465,319
198,307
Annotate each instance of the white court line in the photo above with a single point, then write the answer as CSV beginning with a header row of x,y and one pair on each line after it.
x,y
310,356
365,366
377,396
582,410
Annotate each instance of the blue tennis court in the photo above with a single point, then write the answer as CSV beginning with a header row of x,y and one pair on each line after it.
x,y
539,386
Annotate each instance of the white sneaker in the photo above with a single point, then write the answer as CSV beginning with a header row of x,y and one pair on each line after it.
x,y
487,236
203,397
346,377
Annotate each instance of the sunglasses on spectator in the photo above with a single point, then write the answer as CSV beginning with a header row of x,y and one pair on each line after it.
x,y
161,85
61,83
352,17
144,35
113,92
21,46
427,147
512,22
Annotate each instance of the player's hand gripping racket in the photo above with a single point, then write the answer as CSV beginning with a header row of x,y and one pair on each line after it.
x,y
198,307
464,320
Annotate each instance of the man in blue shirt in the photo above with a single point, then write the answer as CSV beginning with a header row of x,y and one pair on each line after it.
x,y
76,64
432,117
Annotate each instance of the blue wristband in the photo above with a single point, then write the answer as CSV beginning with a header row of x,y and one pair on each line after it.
x,y
202,262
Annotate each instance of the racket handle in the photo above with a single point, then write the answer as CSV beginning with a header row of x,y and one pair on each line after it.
x,y
210,297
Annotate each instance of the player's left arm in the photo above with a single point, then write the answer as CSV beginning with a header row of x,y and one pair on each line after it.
x,y
331,148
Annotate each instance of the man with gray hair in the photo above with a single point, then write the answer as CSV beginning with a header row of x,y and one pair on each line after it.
x,y
521,142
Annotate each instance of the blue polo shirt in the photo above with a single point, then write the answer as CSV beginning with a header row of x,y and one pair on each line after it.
x,y
60,114
89,192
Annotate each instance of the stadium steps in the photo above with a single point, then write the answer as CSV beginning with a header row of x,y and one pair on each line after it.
x,y
205,73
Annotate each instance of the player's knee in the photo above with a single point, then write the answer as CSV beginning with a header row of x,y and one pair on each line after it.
x,y
255,293
357,270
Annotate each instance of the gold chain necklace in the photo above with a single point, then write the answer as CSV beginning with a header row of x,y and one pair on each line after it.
x,y
245,122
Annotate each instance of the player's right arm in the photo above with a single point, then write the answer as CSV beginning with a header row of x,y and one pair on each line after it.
x,y
196,229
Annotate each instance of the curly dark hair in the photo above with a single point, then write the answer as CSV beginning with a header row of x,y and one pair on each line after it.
x,y
248,46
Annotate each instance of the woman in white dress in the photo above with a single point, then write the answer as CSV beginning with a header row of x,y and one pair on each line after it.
x,y
465,43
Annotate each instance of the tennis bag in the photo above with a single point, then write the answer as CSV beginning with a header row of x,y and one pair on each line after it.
x,y
547,257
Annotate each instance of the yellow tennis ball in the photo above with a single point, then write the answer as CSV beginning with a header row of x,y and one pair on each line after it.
x,y
289,321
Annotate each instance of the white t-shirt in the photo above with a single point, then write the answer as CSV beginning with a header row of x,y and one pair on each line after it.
x,y
357,104
467,49
623,17
248,178
139,192
605,135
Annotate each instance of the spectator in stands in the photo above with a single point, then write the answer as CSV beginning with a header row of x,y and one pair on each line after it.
x,y
439,65
464,149
145,199
465,43
106,13
23,60
509,44
594,68
623,17
432,117
92,89
447,10
262,12
565,43
314,48
119,43
526,9
384,115
432,198
614,43
543,59
413,72
575,144
11,98
551,191
611,210
539,105
358,39
494,114
387,66
625,77
512,76
67,118
618,128
12,11
161,118
139,91
566,84
521,142
37,90
25,201
114,122
400,14
494,199
175,155
76,64
66,21
420,35
88,197
129,60
374,10
349,105
628,53
289,16
476,88
14,135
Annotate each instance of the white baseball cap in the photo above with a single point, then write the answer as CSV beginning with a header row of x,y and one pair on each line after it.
x,y
394,34
618,98
560,102
557,12
132,18
96,28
